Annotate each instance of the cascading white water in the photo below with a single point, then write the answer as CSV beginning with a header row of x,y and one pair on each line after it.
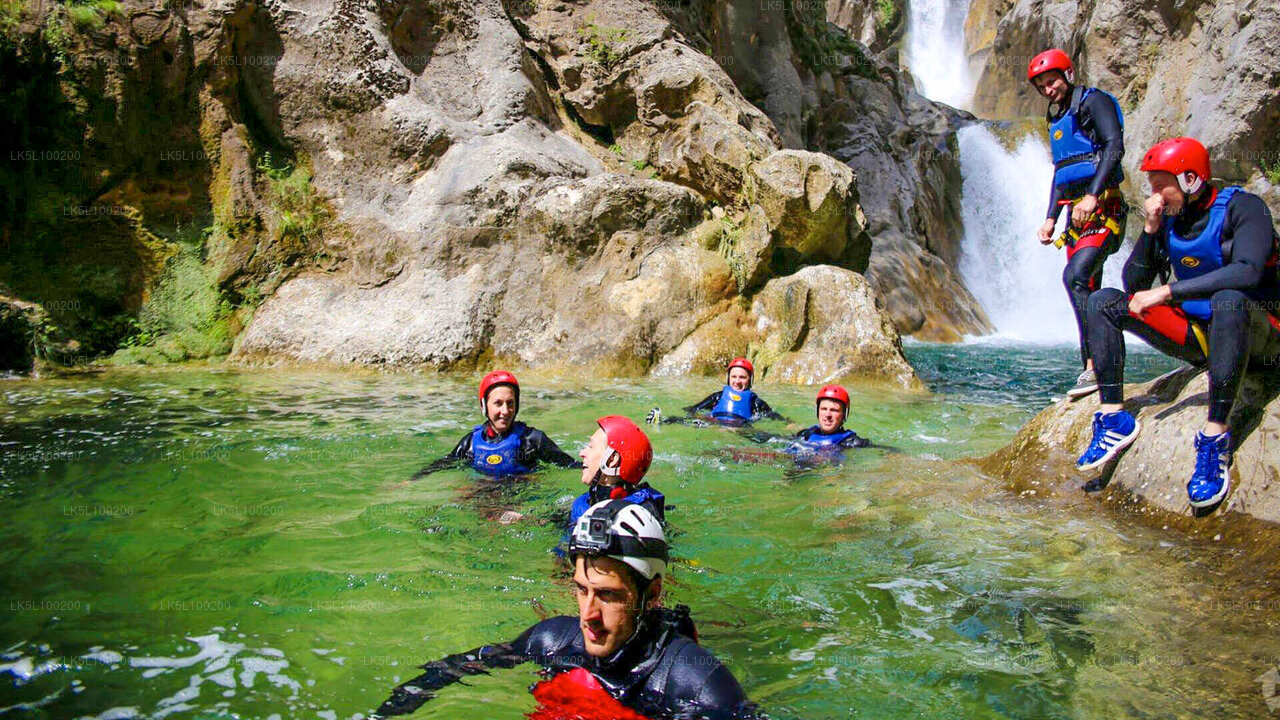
x,y
1017,280
936,54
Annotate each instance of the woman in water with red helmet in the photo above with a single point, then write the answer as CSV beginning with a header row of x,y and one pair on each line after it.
x,y
500,445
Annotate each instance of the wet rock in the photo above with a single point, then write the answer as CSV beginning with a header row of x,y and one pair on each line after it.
x,y
1156,468
818,325
19,322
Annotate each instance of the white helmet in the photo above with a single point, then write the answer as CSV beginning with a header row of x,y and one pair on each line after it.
x,y
624,531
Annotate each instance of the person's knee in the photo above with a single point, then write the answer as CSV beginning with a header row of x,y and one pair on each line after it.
x,y
1106,300
1075,277
1229,302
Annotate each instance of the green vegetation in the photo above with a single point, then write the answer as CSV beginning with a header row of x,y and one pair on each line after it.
x,y
887,14
186,316
821,45
1271,171
603,44
301,211
92,15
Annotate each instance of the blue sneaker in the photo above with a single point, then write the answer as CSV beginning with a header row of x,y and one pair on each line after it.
x,y
1210,482
1112,433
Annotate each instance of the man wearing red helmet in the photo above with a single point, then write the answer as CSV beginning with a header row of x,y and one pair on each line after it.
x,y
736,403
614,463
832,405
1219,311
1086,137
500,445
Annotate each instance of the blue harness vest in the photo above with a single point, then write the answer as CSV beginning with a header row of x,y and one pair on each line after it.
x,y
650,497
817,440
1193,257
501,456
734,404
1075,156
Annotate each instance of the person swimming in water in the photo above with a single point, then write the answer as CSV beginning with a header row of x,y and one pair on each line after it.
x,y
622,649
501,446
614,463
735,404
829,434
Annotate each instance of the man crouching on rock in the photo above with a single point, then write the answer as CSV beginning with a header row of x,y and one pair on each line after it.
x,y
1219,311
623,655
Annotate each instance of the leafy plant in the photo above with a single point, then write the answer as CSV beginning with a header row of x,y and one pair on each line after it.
x,y
886,14
302,213
1272,171
603,44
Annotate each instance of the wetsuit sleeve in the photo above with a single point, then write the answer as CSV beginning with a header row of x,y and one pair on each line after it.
x,y
707,404
537,643
698,685
1249,226
1144,263
760,408
1099,111
544,449
1055,194
460,455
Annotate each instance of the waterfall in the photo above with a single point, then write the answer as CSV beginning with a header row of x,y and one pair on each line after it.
x,y
1017,280
936,54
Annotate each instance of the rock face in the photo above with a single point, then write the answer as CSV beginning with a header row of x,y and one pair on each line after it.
x,y
563,216
447,183
1202,69
827,94
817,326
1155,469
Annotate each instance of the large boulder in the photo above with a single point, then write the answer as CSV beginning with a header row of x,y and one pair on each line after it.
x,y
1155,469
819,325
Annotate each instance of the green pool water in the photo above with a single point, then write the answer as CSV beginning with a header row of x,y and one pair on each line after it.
x,y
222,542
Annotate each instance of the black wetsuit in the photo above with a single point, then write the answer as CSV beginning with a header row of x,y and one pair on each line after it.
x,y
534,447
1098,120
759,408
1242,292
661,672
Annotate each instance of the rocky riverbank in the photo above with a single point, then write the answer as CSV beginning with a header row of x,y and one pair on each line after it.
x,y
1151,475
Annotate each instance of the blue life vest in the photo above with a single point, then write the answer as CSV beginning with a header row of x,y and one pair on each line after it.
x,y
1075,156
734,404
500,456
1193,257
650,497
818,441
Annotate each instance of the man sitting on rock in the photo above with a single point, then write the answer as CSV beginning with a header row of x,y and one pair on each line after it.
x,y
1219,311
735,404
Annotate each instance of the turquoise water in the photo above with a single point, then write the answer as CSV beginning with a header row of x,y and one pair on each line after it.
x,y
221,542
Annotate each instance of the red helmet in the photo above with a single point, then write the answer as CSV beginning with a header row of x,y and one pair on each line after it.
x,y
833,392
493,380
1051,59
629,443
1178,156
745,364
